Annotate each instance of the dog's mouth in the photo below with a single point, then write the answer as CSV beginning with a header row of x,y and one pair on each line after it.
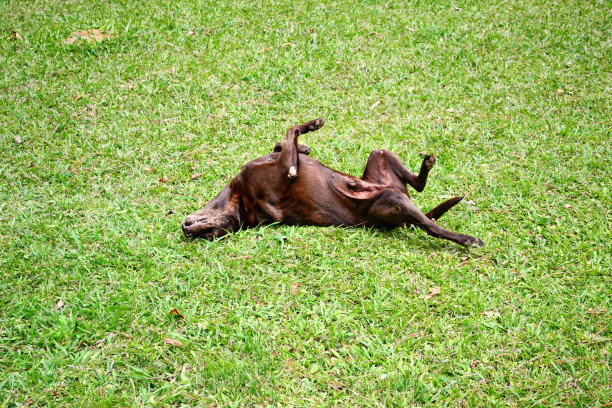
x,y
195,229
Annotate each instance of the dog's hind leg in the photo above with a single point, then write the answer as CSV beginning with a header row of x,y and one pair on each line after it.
x,y
394,208
384,167
288,157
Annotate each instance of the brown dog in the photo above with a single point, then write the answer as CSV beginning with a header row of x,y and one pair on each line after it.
x,y
289,187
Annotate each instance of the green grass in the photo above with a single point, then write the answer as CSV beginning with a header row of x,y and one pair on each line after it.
x,y
301,316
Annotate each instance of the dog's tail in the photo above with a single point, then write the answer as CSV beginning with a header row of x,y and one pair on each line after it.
x,y
439,211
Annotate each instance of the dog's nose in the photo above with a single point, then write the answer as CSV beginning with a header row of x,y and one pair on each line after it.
x,y
188,222
186,230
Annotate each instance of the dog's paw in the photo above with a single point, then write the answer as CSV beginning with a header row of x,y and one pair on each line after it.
x,y
292,172
316,124
475,242
468,241
429,161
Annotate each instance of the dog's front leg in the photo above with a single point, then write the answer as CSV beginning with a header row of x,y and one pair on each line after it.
x,y
288,158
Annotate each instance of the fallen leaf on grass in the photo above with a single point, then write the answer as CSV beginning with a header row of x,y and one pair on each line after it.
x,y
375,104
54,393
172,342
77,97
435,291
196,175
14,35
295,289
89,36
560,91
175,312
450,110
59,305
17,139
163,179
568,206
464,260
288,45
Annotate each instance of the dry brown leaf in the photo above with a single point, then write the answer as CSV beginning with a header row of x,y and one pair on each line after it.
x,y
127,336
411,335
89,36
14,35
175,312
55,394
172,342
196,175
288,45
163,179
435,291
130,86
568,206
77,97
59,305
560,91
295,289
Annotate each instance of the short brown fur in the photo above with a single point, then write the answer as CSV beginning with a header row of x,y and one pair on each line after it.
x,y
290,187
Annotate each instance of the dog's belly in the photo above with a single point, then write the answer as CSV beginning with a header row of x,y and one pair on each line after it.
x,y
312,198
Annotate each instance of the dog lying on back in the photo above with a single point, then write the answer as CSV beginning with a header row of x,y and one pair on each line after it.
x,y
289,187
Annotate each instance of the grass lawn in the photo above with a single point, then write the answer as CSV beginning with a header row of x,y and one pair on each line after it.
x,y
104,303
